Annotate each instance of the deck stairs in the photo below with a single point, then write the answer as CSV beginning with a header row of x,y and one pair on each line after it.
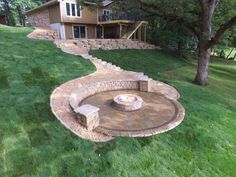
x,y
133,29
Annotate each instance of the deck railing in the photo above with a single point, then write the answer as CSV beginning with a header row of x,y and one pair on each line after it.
x,y
105,18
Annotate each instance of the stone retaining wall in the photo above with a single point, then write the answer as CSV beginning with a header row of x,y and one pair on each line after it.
x,y
110,44
44,34
98,87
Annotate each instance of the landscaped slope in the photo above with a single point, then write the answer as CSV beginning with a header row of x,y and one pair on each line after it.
x,y
34,143
205,143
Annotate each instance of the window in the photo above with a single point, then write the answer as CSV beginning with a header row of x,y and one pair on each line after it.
x,y
68,9
78,11
73,10
106,12
79,31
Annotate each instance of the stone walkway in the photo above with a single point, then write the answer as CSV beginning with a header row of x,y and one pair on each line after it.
x,y
105,72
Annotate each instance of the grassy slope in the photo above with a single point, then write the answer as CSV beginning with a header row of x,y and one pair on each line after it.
x,y
204,144
34,143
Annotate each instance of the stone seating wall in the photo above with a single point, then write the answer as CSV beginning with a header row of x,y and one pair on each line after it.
x,y
98,87
110,44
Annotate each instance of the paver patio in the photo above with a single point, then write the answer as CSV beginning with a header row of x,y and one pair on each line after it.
x,y
105,72
168,118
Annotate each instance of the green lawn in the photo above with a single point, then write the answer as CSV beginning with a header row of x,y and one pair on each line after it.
x,y
228,51
205,143
34,143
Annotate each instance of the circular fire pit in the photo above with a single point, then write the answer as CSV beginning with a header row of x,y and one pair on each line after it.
x,y
127,102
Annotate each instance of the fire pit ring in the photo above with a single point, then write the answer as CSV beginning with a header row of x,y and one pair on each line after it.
x,y
127,102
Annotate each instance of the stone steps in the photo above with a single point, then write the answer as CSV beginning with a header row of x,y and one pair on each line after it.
x,y
77,47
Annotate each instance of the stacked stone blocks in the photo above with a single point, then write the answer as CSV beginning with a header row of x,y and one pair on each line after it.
x,y
39,19
88,116
145,85
111,44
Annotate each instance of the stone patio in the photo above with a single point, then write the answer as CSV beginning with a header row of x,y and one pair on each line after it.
x,y
163,113
157,116
60,104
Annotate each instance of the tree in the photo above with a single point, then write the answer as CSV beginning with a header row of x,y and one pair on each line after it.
x,y
197,16
6,10
14,10
171,36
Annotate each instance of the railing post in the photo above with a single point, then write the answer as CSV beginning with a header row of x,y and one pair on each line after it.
x,y
103,32
120,31
145,33
140,33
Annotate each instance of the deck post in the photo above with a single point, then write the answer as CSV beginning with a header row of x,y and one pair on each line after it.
x,y
120,31
103,32
145,33
140,33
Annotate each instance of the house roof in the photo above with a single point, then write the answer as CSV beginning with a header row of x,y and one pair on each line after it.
x,y
47,4
106,3
52,2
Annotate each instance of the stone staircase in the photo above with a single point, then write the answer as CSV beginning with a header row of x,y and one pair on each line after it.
x,y
70,46
97,61
82,47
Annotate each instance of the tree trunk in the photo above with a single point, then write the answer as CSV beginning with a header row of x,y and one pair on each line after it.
x,y
203,63
208,8
19,14
7,12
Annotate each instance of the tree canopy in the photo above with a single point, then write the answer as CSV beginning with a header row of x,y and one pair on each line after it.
x,y
203,21
14,9
198,25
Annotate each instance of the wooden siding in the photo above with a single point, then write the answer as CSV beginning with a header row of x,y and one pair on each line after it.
x,y
68,30
87,16
54,14
90,30
100,11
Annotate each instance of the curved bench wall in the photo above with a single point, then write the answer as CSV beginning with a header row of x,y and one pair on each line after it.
x,y
92,89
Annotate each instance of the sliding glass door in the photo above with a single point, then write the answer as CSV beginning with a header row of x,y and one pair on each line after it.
x,y
79,31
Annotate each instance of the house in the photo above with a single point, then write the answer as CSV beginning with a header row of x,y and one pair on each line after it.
x,y
73,21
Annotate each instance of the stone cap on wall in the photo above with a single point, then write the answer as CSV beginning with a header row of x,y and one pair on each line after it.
x,y
86,110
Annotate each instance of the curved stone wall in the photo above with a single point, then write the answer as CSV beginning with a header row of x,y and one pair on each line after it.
x,y
92,89
89,116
